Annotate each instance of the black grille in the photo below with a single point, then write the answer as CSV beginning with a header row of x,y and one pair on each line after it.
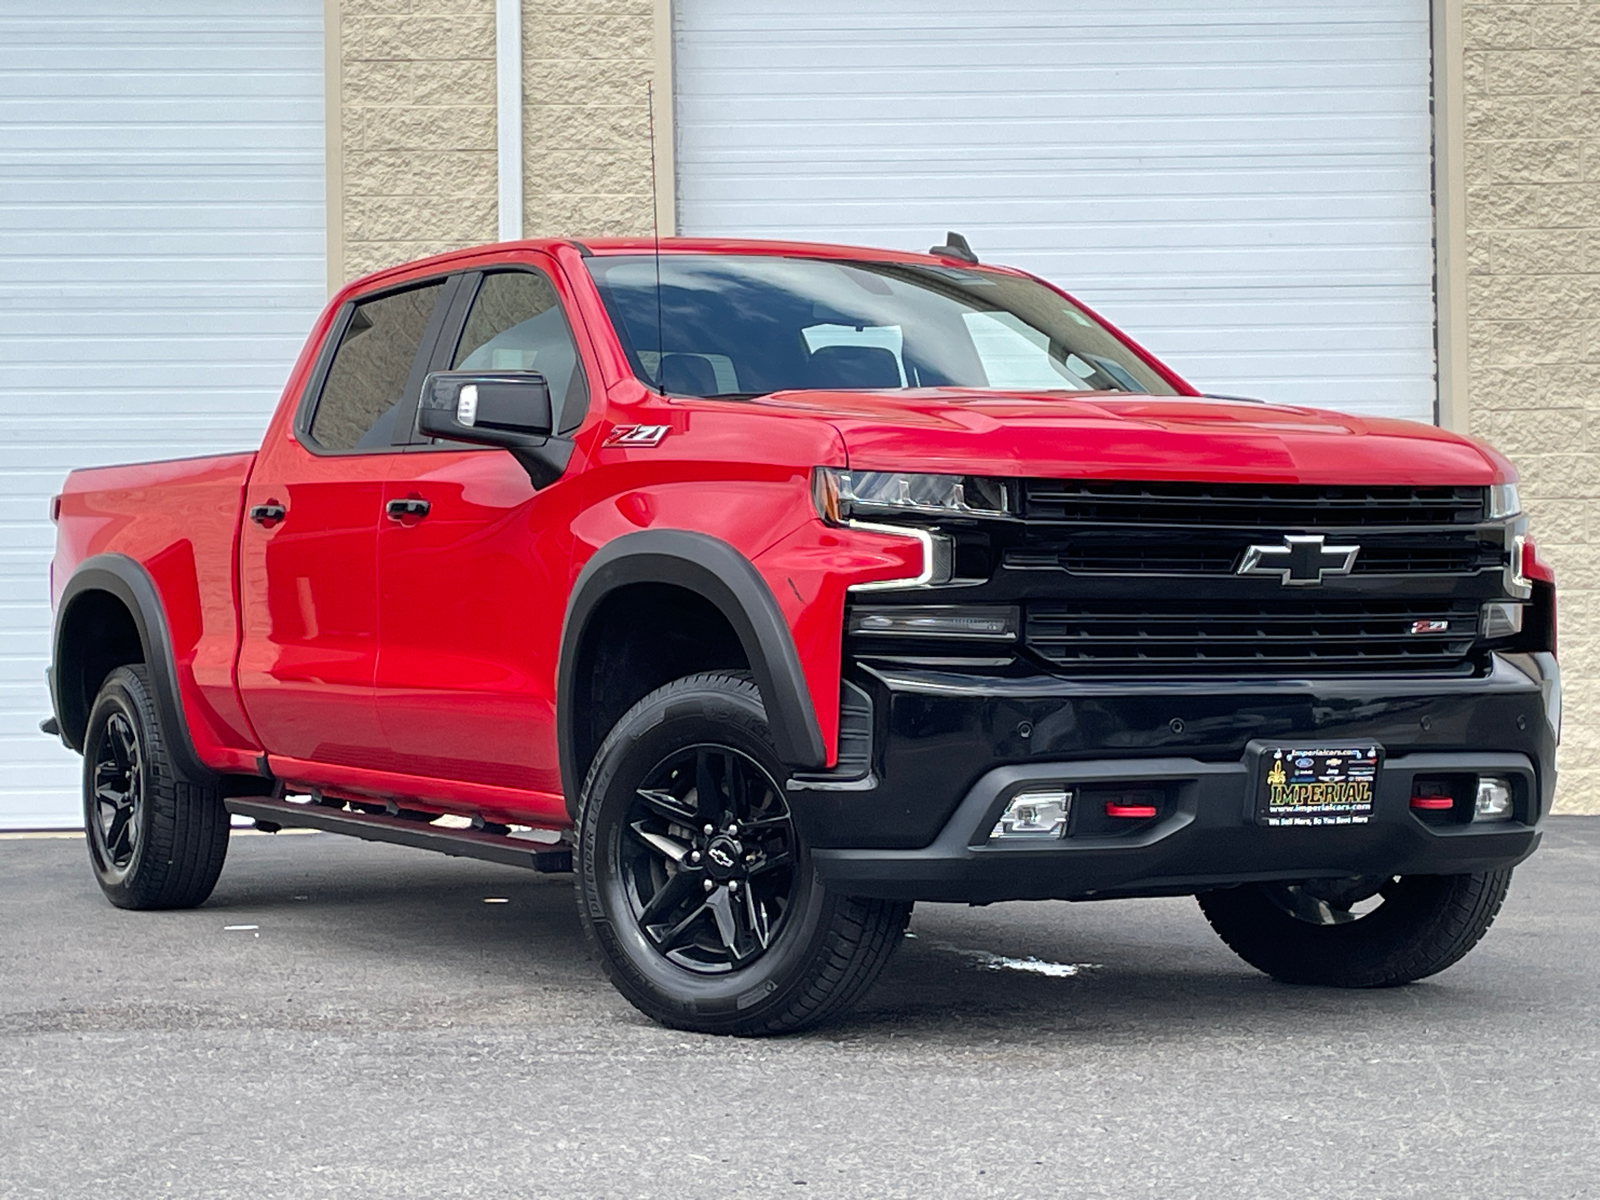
x,y
1280,636
1278,506
1203,552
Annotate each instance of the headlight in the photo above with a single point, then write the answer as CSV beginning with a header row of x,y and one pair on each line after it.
x,y
1504,501
843,495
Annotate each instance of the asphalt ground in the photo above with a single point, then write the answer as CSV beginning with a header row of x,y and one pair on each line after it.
x,y
351,1020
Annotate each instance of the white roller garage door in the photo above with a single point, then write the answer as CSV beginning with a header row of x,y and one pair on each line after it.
x,y
161,259
1243,185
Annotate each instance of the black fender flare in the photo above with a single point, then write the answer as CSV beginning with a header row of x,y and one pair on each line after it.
x,y
126,580
716,571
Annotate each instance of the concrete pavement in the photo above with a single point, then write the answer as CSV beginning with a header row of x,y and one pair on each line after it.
x,y
344,1019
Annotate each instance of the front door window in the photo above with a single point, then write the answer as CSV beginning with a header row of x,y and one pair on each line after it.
x,y
516,324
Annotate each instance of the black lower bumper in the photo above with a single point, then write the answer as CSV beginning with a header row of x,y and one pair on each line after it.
x,y
949,751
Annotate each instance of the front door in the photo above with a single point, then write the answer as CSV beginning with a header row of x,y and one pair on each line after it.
x,y
308,547
472,572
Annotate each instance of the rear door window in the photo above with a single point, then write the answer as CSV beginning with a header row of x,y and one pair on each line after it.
x,y
369,385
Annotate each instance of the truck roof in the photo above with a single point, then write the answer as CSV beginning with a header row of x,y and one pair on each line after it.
x,y
675,245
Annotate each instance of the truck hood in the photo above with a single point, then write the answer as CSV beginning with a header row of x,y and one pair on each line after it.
x,y
1115,435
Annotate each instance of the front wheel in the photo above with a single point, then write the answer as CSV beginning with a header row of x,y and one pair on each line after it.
x,y
1357,933
694,883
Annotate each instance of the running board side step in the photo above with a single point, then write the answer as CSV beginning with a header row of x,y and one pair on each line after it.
x,y
550,858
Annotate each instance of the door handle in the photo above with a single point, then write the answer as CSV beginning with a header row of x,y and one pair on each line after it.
x,y
411,507
269,514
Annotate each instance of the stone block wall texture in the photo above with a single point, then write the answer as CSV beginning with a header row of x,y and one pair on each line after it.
x,y
418,124
418,104
1532,75
586,70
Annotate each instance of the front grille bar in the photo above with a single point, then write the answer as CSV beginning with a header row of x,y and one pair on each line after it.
x,y
1291,634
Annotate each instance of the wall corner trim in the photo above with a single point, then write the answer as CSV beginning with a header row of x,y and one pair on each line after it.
x,y
333,140
508,114
1450,214
666,104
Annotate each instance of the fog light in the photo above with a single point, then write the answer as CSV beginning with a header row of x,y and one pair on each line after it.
x,y
1494,799
1034,816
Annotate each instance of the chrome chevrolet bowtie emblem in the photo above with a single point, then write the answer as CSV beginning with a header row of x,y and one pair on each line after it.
x,y
1304,558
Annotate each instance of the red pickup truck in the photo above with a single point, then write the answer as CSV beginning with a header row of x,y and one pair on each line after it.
x,y
774,587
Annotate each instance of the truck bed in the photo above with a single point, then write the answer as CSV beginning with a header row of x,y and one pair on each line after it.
x,y
179,519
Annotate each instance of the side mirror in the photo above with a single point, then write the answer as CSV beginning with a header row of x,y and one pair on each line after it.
x,y
509,409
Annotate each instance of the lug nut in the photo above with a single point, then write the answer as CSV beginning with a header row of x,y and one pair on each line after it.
x,y
709,885
710,829
733,885
694,856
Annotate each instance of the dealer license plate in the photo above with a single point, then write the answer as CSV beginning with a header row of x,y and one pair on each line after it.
x,y
1318,785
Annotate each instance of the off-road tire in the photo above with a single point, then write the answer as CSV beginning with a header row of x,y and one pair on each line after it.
x,y
180,828
829,949
1425,924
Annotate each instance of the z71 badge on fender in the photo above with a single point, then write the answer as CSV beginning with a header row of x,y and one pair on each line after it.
x,y
638,435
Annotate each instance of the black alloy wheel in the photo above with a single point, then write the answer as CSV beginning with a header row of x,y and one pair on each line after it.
x,y
117,814
694,881
157,834
708,856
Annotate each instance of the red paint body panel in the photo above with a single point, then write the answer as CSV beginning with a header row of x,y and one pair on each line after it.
x,y
1116,437
179,519
471,601
308,591
418,659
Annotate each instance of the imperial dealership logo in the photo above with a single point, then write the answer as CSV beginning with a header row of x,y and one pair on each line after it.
x,y
1303,559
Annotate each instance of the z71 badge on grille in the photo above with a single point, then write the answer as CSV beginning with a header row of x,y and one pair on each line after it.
x,y
1303,559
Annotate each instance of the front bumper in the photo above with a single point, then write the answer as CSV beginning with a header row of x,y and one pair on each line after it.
x,y
948,750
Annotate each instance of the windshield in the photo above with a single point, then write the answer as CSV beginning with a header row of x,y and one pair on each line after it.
x,y
746,325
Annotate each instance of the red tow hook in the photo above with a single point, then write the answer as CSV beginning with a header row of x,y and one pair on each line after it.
x,y
1433,803
1131,812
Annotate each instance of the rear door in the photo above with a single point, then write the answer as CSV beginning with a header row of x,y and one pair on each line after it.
x,y
308,546
472,594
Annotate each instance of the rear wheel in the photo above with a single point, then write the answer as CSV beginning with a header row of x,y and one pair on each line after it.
x,y
694,882
157,838
1357,933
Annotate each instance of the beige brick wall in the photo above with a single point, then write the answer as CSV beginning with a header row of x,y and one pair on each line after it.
x,y
417,170
417,160
586,134
1532,76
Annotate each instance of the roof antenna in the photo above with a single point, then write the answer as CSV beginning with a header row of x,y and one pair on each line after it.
x,y
655,236
955,246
